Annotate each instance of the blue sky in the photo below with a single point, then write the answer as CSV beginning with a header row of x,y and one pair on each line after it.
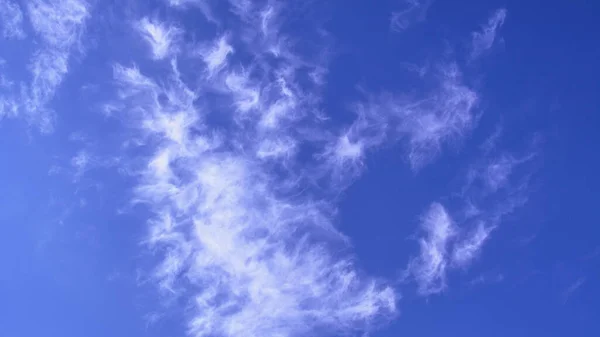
x,y
319,168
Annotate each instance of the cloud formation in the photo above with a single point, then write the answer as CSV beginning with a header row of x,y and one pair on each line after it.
x,y
495,186
413,12
161,37
467,249
11,20
575,286
429,267
57,27
424,123
483,40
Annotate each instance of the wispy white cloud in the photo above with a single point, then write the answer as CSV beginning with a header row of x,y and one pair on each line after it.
x,y
8,107
484,40
245,94
499,171
161,36
343,159
469,247
80,163
59,25
448,115
491,143
568,293
445,245
11,20
495,186
48,68
423,124
203,5
429,267
487,278
77,166
412,12
215,56
347,150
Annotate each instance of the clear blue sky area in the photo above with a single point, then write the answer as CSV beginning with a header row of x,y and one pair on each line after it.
x,y
280,168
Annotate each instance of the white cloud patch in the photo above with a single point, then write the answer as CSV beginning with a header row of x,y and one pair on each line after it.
x,y
488,278
575,286
467,249
495,186
80,163
444,246
246,96
58,25
429,268
11,20
446,116
425,123
203,5
413,11
498,172
484,40
160,36
215,56
348,150
8,107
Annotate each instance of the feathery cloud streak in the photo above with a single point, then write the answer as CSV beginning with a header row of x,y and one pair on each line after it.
x,y
423,123
57,26
484,40
413,12
11,20
429,268
495,186
160,37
